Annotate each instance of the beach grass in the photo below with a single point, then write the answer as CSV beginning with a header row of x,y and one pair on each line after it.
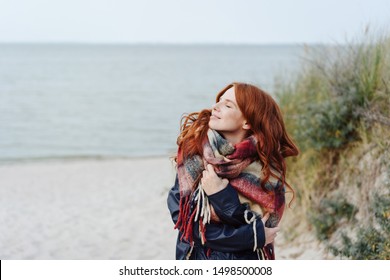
x,y
337,108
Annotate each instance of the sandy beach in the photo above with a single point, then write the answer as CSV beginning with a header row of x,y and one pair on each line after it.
x,y
98,209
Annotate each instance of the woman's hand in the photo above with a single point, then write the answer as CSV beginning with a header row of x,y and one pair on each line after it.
x,y
210,181
270,233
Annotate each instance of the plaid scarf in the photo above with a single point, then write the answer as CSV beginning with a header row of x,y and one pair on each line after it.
x,y
240,165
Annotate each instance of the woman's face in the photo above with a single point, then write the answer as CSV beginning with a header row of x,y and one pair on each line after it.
x,y
226,116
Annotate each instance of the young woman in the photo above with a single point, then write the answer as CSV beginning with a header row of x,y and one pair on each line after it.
x,y
229,193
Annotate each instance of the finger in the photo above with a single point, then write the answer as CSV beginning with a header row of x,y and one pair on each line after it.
x,y
265,218
226,159
224,182
274,233
210,169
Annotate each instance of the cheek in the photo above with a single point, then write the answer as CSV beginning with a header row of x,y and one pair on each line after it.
x,y
234,117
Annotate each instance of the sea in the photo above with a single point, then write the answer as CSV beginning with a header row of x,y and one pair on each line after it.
x,y
65,101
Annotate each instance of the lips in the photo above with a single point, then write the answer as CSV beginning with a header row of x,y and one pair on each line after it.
x,y
214,116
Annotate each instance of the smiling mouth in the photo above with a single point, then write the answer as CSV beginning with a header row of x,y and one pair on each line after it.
x,y
215,117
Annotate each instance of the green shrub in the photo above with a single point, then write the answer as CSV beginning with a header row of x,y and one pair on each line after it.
x,y
329,215
330,124
371,242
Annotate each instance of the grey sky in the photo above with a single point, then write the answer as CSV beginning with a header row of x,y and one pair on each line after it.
x,y
189,21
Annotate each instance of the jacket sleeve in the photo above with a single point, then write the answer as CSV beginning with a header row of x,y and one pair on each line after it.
x,y
226,238
228,207
222,237
173,201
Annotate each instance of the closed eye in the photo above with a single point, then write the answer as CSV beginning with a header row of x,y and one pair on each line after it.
x,y
228,103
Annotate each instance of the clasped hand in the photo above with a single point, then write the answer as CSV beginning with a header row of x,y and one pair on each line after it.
x,y
211,182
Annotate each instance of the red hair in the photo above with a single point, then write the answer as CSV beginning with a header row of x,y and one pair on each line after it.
x,y
265,119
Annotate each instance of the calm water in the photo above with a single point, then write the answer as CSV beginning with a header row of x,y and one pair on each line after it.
x,y
102,100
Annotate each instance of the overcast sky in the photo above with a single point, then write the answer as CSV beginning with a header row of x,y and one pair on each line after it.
x,y
190,21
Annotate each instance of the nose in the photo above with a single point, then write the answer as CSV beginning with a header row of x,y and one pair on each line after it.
x,y
215,107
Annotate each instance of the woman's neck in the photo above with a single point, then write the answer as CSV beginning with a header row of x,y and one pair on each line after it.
x,y
233,138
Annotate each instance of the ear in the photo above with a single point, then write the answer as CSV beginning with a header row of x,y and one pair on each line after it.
x,y
246,126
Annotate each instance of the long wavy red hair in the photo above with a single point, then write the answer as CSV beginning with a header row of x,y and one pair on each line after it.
x,y
265,119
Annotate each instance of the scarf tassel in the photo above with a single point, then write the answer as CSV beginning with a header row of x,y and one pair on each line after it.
x,y
202,214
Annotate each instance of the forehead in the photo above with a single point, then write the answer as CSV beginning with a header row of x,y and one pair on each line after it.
x,y
229,94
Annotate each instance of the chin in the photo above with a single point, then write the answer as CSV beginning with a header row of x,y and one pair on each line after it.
x,y
213,127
